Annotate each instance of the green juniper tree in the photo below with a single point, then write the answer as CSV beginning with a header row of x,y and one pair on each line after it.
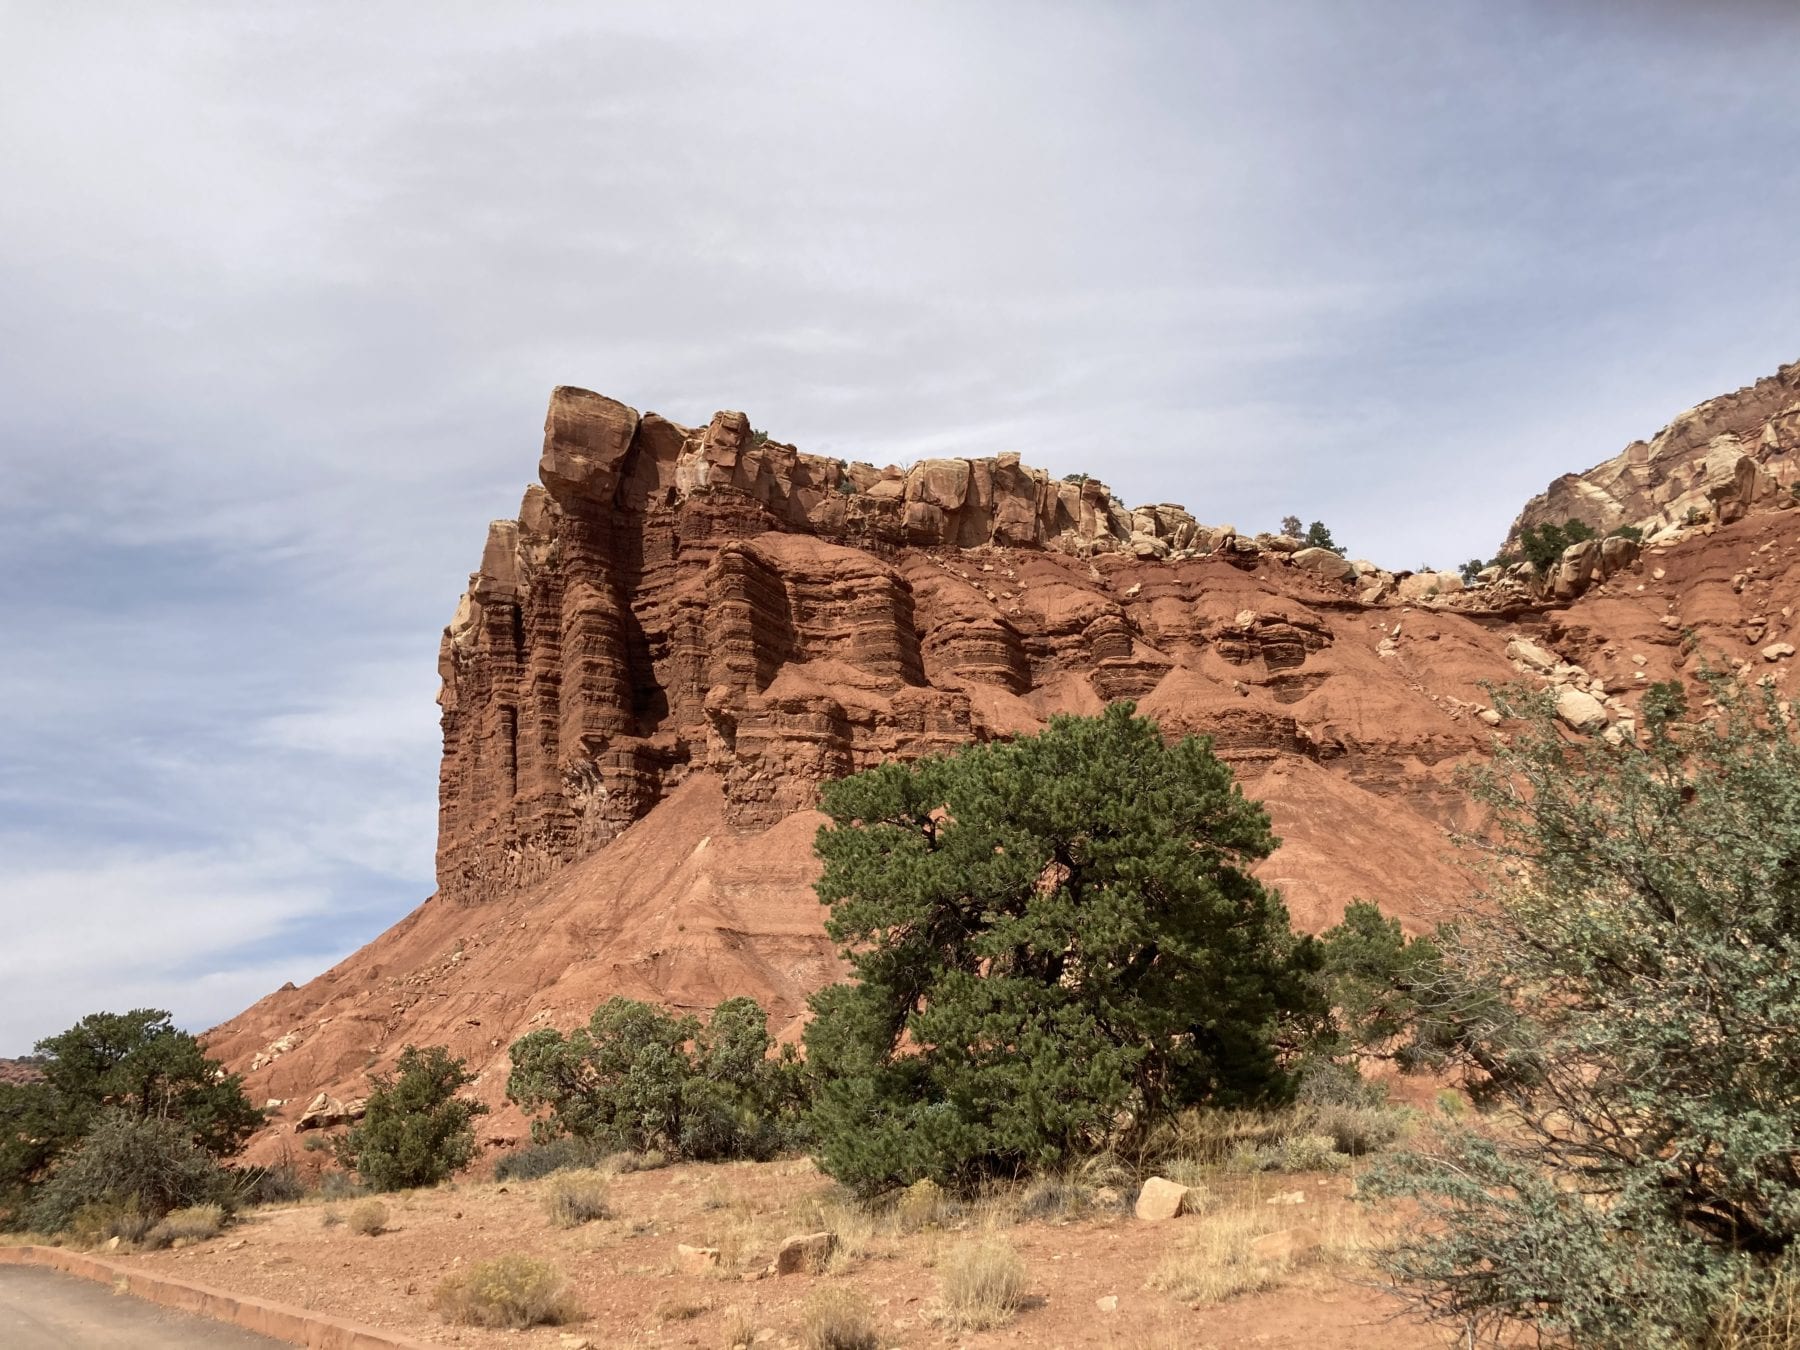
x,y
1640,961
137,1065
415,1130
1053,939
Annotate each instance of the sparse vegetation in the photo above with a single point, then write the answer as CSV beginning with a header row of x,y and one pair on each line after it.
x,y
368,1218
838,1319
416,1129
575,1198
982,1286
136,1066
196,1223
532,1161
513,1291
1317,536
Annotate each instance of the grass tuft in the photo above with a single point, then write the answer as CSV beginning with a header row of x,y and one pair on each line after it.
x,y
575,1198
983,1285
837,1319
368,1218
510,1291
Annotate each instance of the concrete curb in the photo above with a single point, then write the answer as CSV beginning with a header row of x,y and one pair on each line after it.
x,y
318,1331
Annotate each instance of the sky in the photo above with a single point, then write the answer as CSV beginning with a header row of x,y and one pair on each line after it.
x,y
284,289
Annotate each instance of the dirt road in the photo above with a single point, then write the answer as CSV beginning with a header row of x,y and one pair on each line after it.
x,y
46,1310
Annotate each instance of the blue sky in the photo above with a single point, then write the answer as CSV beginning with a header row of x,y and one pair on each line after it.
x,y
283,291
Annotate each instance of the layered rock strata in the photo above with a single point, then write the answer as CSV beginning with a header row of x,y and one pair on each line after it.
x,y
674,600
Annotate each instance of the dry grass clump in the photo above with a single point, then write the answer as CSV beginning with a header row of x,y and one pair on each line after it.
x,y
837,1319
575,1198
647,1161
1216,1261
102,1220
330,1218
1762,1315
511,1291
368,1218
1219,1256
983,1285
196,1223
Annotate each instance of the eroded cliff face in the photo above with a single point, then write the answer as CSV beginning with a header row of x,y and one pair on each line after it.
x,y
686,631
1716,463
673,601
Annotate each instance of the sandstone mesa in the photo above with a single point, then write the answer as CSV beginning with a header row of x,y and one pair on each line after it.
x,y
686,630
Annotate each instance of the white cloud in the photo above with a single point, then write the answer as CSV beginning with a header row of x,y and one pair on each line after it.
x,y
282,291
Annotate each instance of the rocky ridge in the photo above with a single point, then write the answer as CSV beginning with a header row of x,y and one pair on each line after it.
x,y
685,631
1714,463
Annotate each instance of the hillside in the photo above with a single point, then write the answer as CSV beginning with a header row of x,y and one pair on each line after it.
x,y
685,631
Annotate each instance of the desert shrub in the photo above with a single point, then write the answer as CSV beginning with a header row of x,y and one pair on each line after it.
x,y
982,1286
1356,1131
103,1220
647,1161
150,1162
639,1079
330,1218
340,1186
416,1131
532,1161
135,1064
575,1198
924,1204
971,1045
836,1318
510,1291
368,1218
1639,950
196,1223
277,1184
740,1329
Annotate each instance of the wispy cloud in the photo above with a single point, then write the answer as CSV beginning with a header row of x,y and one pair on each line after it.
x,y
282,291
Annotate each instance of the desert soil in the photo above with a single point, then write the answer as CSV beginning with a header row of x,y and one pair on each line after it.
x,y
625,1273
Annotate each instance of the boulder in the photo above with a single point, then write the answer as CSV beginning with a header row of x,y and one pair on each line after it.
x,y
1528,653
1333,566
1776,650
1161,1199
805,1253
586,439
1580,711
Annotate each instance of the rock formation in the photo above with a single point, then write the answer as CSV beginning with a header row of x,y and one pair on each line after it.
x,y
685,632
1716,462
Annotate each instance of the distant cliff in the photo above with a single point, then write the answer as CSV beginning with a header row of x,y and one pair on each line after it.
x,y
1716,462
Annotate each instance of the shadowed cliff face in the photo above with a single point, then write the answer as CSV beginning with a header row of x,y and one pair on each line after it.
x,y
685,632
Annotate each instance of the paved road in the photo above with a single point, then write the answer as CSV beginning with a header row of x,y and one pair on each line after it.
x,y
47,1310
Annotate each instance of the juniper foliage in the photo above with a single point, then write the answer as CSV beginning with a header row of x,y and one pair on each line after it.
x,y
1053,939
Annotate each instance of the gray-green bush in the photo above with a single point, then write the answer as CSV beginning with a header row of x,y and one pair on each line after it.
x,y
1640,953
148,1165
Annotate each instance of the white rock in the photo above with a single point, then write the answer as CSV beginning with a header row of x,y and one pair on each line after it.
x,y
1580,711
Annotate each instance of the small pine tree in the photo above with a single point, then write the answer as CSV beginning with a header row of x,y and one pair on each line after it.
x,y
416,1131
1317,536
1291,526
1050,937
